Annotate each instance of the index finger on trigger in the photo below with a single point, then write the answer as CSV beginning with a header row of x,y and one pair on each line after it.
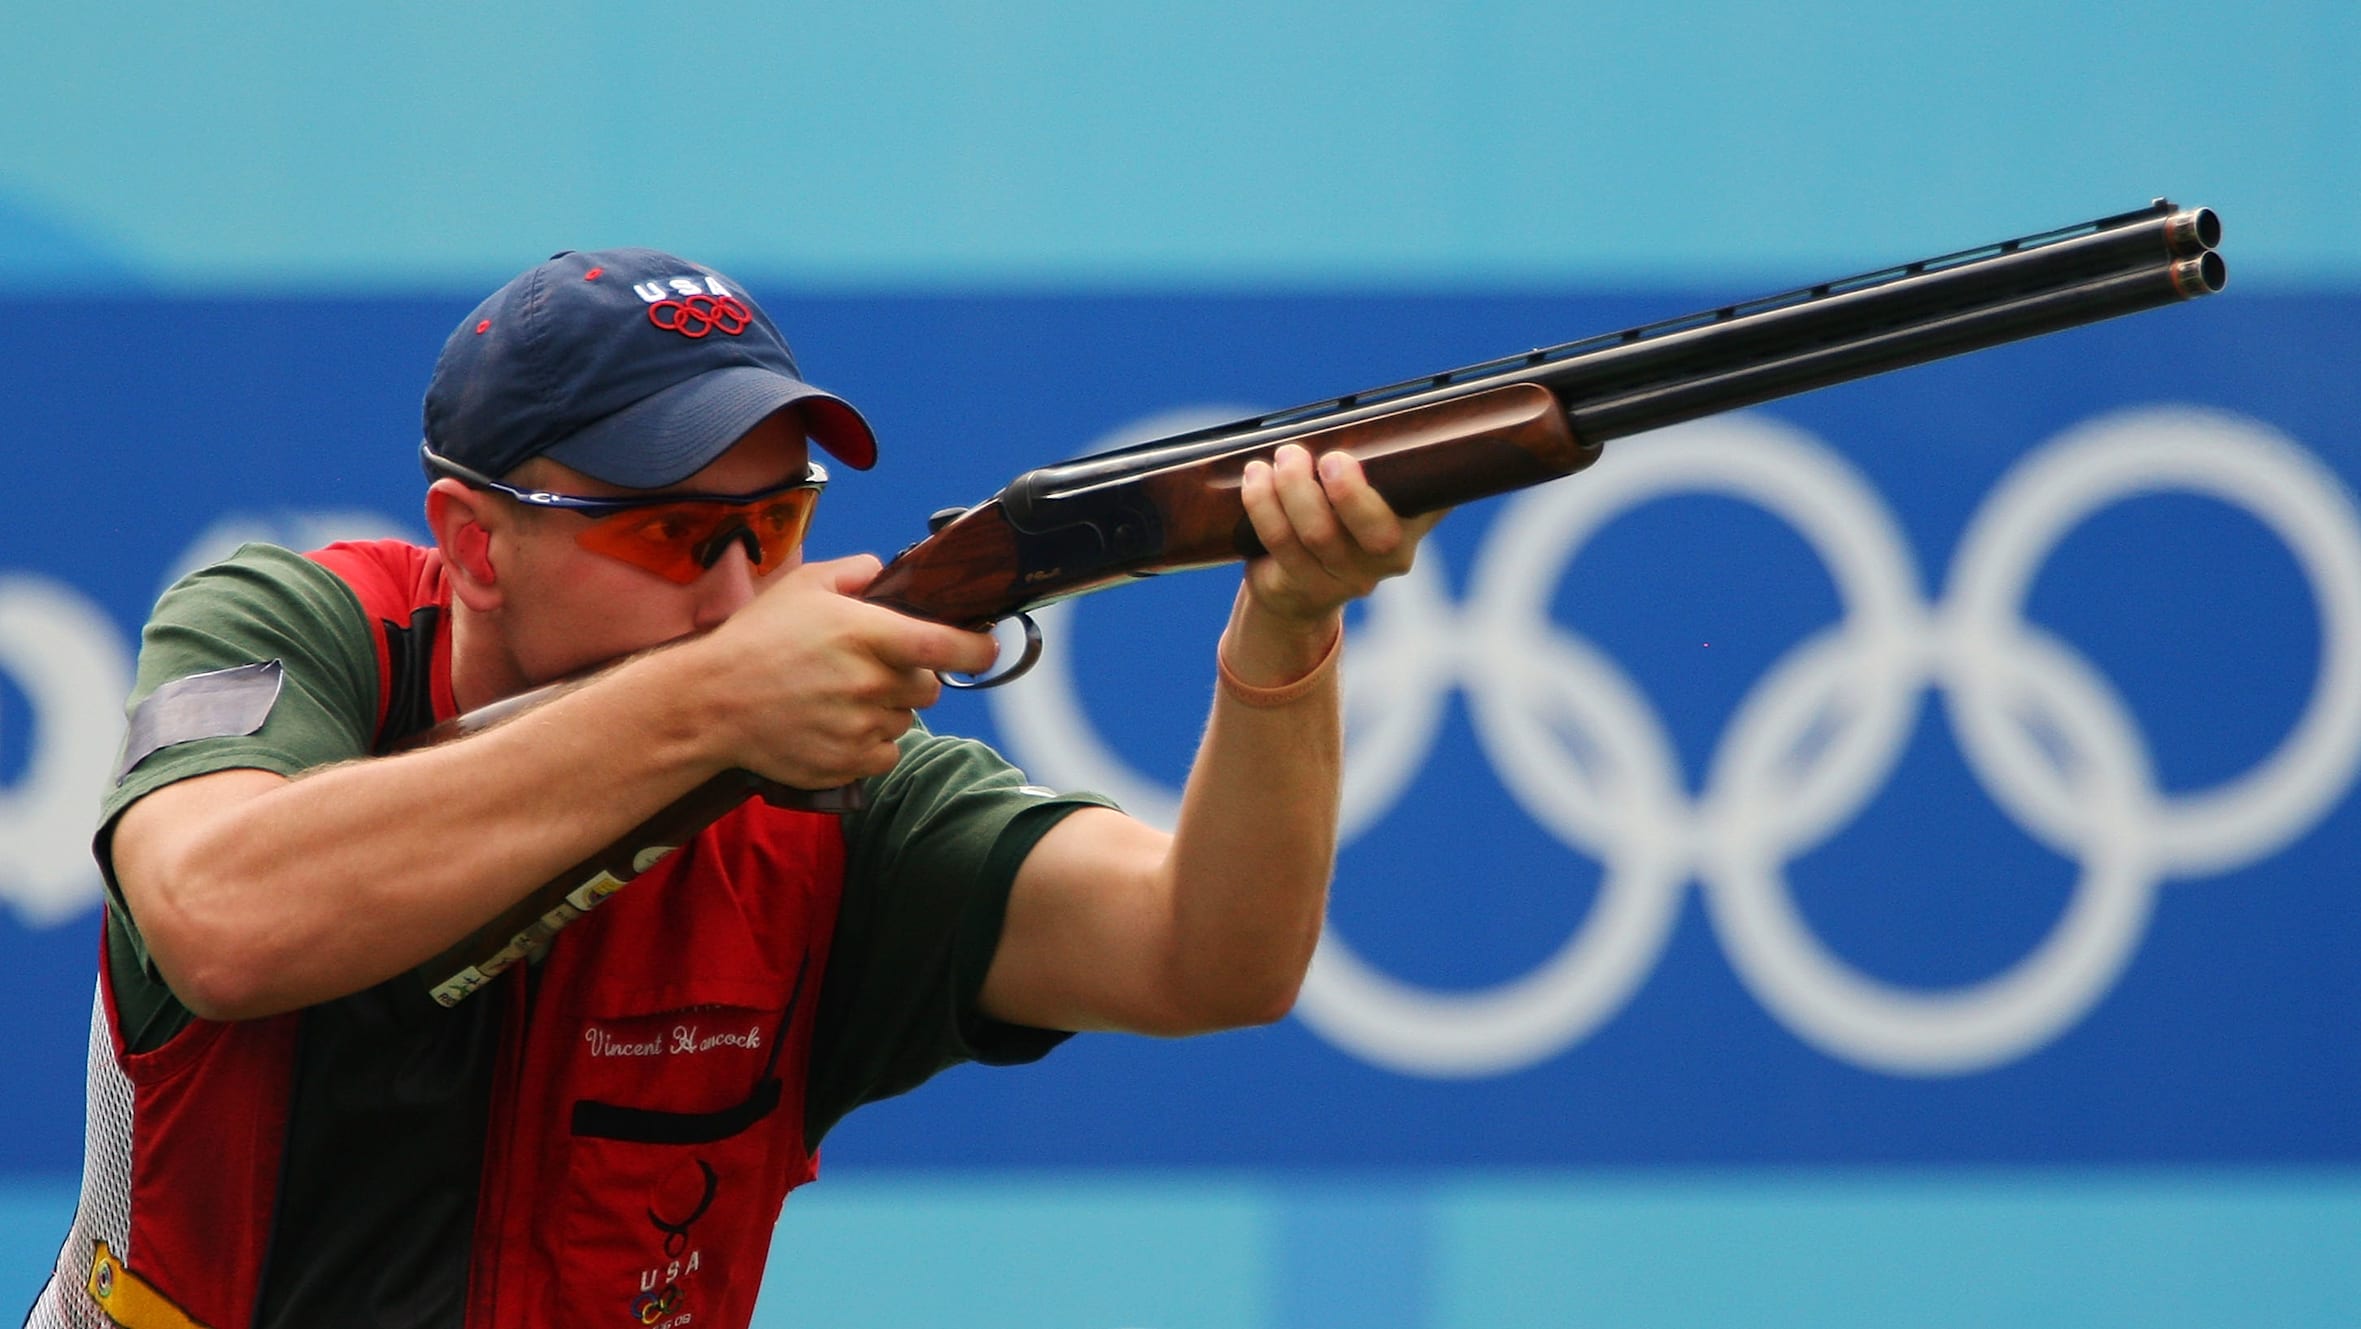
x,y
937,647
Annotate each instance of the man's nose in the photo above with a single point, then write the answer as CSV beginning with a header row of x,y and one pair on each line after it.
x,y
726,587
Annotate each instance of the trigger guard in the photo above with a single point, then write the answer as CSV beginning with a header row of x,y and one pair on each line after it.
x,y
1023,665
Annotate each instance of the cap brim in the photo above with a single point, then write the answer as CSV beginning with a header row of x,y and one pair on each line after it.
x,y
665,438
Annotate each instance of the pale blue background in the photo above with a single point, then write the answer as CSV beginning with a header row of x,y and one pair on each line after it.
x,y
408,145
413,150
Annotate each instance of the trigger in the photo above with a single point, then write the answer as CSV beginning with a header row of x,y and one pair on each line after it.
x,y
1025,662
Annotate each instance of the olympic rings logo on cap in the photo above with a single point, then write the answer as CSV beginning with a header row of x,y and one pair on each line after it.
x,y
699,314
1581,748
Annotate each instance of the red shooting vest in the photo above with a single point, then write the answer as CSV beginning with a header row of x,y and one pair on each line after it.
x,y
647,1102
648,1119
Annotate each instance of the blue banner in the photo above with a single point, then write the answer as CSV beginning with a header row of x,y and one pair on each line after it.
x,y
1950,768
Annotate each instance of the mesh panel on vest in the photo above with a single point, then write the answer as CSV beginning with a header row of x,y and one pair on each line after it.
x,y
105,1210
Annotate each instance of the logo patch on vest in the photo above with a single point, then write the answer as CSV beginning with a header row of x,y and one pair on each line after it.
x,y
662,1301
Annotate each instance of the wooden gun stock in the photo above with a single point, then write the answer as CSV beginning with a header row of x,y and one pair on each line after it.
x,y
1188,514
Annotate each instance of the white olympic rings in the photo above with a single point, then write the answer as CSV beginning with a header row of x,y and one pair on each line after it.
x,y
61,652
1580,747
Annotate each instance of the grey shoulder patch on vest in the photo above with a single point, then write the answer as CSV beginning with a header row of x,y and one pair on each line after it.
x,y
224,703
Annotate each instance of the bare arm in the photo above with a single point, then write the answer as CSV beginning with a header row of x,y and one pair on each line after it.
x,y
258,894
1115,925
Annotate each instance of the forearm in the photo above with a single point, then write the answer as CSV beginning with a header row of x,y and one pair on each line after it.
x,y
1113,925
1255,846
258,895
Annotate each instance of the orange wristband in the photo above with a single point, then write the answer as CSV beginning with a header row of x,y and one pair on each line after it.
x,y
1262,698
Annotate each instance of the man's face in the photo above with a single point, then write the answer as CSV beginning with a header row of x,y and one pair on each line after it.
x,y
565,609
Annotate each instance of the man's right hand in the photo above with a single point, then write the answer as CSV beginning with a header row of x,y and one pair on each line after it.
x,y
812,684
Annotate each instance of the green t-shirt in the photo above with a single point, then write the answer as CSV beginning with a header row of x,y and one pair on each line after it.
x,y
929,863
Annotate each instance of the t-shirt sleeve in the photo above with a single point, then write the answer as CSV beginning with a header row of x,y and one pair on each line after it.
x,y
263,661
928,871
263,606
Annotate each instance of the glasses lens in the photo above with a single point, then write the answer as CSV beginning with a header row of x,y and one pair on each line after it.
x,y
667,539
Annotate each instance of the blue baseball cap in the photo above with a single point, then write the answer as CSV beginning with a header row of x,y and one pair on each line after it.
x,y
631,366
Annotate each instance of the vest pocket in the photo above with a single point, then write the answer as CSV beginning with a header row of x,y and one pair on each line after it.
x,y
667,1204
612,1121
683,1142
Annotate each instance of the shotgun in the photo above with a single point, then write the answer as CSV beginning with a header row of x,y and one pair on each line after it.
x,y
1426,443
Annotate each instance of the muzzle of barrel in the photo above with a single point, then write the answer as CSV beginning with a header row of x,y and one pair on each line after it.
x,y
2206,274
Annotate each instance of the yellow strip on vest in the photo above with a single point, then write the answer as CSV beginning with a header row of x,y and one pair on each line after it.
x,y
129,1300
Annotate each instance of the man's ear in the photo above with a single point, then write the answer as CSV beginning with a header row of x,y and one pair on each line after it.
x,y
462,520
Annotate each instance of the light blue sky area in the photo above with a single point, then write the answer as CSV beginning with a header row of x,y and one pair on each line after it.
x,y
410,145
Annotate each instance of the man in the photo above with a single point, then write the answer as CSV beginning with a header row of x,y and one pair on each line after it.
x,y
285,1130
